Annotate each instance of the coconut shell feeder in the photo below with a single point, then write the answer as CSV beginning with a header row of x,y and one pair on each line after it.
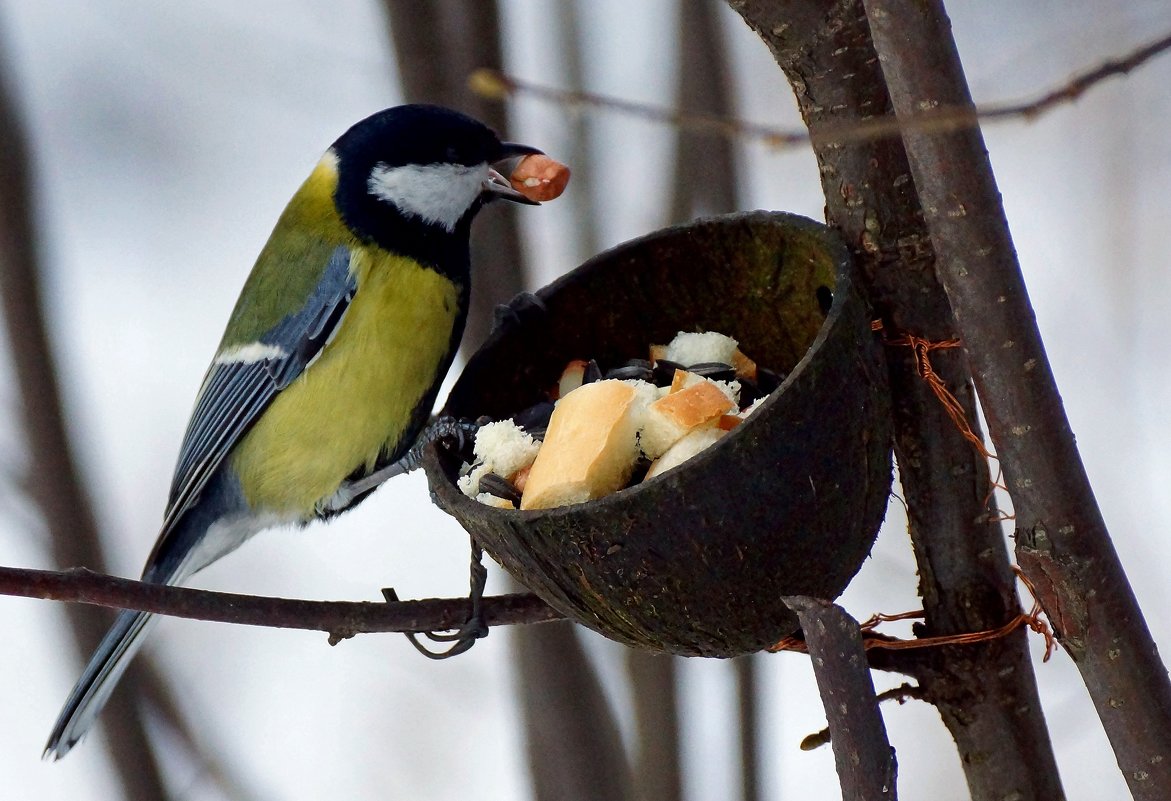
x,y
696,561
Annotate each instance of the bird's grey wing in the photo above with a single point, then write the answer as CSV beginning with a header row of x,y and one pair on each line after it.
x,y
237,389
242,383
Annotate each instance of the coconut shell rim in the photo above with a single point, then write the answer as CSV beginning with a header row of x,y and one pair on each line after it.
x,y
843,267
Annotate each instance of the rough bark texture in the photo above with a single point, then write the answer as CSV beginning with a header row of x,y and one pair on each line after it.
x,y
986,694
53,482
1062,541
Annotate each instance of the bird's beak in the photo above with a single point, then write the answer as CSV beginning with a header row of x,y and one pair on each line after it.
x,y
496,185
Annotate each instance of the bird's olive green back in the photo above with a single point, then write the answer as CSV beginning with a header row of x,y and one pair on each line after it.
x,y
293,259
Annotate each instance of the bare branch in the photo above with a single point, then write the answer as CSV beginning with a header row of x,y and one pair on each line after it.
x,y
865,761
902,694
942,119
341,619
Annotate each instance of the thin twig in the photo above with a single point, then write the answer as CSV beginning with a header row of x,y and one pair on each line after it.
x,y
902,694
340,619
497,85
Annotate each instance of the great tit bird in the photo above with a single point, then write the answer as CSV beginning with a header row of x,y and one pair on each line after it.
x,y
332,357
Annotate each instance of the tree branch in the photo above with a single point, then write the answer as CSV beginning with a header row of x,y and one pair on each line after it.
x,y
1062,542
865,761
986,693
341,619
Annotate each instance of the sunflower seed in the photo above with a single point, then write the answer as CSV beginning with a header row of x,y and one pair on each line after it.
x,y
664,371
716,371
500,487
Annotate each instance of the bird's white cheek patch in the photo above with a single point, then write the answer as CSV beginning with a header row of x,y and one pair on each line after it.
x,y
435,193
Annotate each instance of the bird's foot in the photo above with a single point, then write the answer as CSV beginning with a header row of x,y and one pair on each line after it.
x,y
460,433
523,306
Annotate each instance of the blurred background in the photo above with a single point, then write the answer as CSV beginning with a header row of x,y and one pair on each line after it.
x,y
164,140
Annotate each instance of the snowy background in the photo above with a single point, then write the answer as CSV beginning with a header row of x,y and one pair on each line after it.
x,y
167,138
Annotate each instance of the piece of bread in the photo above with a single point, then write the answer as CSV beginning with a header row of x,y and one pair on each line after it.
x,y
668,419
729,421
684,449
745,367
694,405
491,500
522,477
696,348
502,448
590,447
539,177
756,404
571,377
684,379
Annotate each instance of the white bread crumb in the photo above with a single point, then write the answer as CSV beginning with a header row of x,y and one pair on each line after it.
x,y
491,500
684,449
709,346
756,404
502,448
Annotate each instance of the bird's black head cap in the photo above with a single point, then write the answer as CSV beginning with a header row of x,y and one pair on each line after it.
x,y
411,178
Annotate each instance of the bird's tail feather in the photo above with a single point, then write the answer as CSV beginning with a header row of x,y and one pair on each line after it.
x,y
101,675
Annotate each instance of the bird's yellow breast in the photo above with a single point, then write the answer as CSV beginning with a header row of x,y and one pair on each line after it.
x,y
356,399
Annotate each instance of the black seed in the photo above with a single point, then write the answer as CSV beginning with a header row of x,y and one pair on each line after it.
x,y
716,371
749,392
499,487
535,419
768,380
638,363
630,372
641,468
664,371
592,373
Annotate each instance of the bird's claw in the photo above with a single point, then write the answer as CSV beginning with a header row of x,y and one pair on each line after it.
x,y
523,306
